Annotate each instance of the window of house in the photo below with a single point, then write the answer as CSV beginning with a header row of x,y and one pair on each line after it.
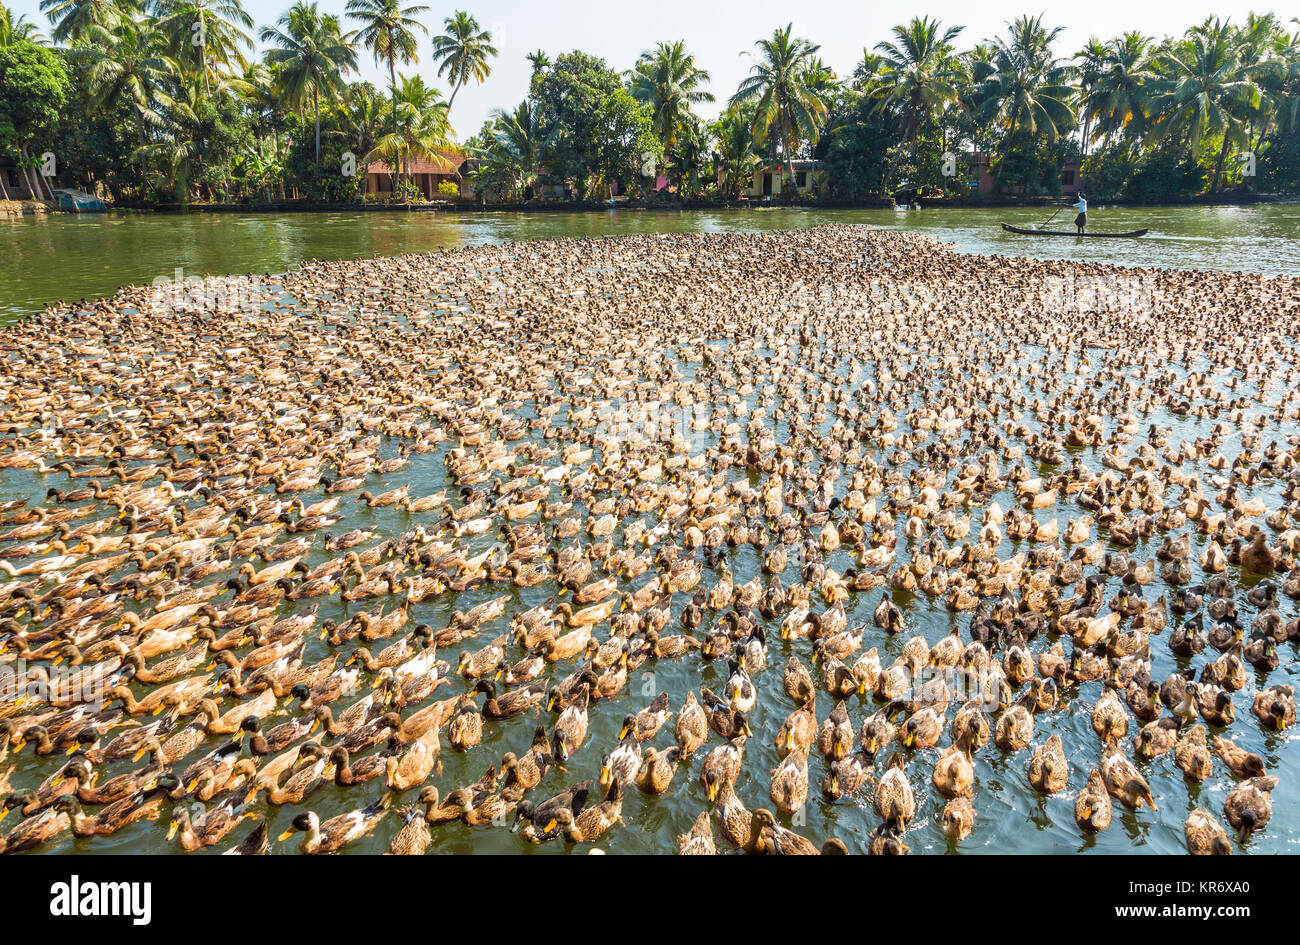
x,y
801,179
1067,178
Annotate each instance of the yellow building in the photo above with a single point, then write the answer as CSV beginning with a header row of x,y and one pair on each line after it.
x,y
767,181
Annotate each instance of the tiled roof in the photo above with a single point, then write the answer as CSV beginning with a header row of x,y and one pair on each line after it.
x,y
439,162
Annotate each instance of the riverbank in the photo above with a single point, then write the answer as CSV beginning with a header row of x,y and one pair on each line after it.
x,y
21,208
545,207
600,206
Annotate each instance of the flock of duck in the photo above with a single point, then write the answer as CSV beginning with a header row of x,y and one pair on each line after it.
x,y
808,540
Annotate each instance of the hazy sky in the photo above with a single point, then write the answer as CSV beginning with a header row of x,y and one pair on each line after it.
x,y
719,31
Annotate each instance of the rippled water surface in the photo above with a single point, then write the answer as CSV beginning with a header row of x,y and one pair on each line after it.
x,y
67,257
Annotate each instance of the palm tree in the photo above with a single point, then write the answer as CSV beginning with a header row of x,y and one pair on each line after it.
x,y
15,31
1210,89
737,151
1118,99
867,71
784,102
538,60
129,60
918,79
668,80
1023,87
310,55
261,99
204,33
516,145
177,155
1280,82
73,19
1264,43
422,126
821,78
464,51
688,158
1090,62
387,30
364,114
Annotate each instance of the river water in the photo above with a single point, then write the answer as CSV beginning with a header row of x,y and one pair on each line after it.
x,y
63,256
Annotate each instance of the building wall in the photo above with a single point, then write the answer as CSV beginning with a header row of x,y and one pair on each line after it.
x,y
755,188
428,184
1071,179
16,184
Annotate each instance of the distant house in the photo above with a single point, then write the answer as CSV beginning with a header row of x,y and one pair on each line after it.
x,y
1071,177
981,173
14,181
427,171
766,182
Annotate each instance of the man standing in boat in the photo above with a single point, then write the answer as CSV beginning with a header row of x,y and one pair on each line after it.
x,y
1081,221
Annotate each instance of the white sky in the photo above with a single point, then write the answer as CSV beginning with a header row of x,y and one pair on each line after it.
x,y
719,31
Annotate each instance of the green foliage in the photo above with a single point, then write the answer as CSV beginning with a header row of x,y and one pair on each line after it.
x,y
856,165
669,81
449,188
1157,175
324,180
95,145
1279,163
596,131
130,105
1032,165
34,88
737,154
916,78
310,55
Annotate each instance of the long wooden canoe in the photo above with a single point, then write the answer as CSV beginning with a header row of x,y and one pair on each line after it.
x,y
1023,232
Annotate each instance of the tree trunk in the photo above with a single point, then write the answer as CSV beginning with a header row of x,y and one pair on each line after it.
x,y
392,84
203,54
452,101
4,191
144,143
785,151
1218,165
29,178
889,173
315,101
32,189
1011,135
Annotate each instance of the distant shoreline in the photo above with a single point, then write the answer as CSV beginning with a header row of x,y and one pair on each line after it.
x,y
306,206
